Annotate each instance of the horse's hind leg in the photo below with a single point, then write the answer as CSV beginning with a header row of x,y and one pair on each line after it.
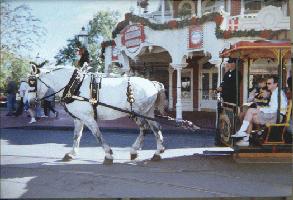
x,y
78,128
156,128
92,125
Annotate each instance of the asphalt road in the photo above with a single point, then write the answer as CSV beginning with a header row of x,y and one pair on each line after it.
x,y
31,167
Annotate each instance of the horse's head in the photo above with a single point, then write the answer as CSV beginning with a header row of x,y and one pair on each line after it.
x,y
38,88
50,77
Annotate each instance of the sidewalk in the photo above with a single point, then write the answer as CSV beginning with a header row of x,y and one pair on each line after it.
x,y
205,120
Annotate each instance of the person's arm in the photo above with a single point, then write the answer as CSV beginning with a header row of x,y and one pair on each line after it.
x,y
251,95
273,105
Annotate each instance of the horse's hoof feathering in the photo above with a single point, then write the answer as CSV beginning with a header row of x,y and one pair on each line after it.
x,y
133,156
156,157
67,158
108,161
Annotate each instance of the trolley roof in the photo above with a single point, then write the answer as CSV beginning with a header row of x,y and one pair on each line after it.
x,y
258,49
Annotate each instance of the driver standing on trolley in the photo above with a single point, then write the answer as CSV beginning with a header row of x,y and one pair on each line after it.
x,y
228,86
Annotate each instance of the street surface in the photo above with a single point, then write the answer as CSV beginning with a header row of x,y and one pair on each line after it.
x,y
31,167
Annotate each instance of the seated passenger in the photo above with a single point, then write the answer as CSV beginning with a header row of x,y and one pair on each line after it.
x,y
259,96
262,115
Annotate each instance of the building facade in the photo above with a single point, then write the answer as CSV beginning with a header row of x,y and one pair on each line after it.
x,y
179,45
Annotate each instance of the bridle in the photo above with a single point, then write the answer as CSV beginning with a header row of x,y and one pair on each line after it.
x,y
35,75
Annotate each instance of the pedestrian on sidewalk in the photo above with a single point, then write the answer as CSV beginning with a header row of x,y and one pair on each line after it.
x,y
48,103
22,89
35,109
11,96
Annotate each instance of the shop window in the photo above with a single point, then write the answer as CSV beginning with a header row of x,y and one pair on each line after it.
x,y
273,3
252,6
186,9
168,6
186,87
205,86
209,6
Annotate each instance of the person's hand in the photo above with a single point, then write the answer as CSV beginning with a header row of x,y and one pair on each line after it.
x,y
219,89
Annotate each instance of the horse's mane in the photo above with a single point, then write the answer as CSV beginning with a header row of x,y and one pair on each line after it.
x,y
54,68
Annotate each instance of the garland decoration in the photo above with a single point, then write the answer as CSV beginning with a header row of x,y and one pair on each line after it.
x,y
173,24
179,24
266,34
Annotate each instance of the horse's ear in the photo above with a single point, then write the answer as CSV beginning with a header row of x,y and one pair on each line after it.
x,y
34,69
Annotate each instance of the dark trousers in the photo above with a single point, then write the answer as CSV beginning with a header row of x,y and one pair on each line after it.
x,y
11,100
48,107
20,107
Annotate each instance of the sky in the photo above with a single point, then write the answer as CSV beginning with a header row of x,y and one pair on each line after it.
x,y
64,18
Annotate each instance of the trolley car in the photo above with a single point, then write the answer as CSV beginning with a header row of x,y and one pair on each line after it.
x,y
269,138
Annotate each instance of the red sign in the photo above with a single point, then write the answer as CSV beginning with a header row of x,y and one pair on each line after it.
x,y
114,53
195,37
133,36
233,24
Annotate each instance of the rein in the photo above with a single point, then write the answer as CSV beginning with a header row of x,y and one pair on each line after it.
x,y
38,78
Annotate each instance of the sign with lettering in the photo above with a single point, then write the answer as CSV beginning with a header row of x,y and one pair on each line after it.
x,y
132,36
195,37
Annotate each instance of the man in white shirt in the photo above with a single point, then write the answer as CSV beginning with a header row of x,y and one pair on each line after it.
x,y
262,115
22,89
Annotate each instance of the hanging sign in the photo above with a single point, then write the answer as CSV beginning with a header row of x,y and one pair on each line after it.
x,y
195,37
132,37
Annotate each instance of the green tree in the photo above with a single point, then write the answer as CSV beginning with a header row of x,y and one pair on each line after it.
x,y
13,66
20,30
99,28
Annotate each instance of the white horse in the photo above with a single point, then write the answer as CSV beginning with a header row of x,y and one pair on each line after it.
x,y
148,96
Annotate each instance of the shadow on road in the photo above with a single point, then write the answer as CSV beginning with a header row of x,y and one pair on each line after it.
x,y
115,139
187,176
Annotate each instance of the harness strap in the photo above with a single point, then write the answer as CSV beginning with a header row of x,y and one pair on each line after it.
x,y
94,94
70,89
183,123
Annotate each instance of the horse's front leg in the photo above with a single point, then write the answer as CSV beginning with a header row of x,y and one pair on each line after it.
x,y
78,128
155,127
92,125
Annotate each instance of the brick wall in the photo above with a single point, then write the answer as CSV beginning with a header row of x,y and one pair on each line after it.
x,y
235,7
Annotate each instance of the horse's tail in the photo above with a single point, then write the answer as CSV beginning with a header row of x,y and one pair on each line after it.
x,y
161,101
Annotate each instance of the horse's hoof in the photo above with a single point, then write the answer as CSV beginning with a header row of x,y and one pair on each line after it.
x,y
156,157
133,156
108,161
162,150
67,158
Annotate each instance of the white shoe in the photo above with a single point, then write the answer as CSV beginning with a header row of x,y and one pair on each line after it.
x,y
240,134
33,120
44,116
244,142
56,114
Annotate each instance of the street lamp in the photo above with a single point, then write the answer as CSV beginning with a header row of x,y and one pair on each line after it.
x,y
83,37
83,52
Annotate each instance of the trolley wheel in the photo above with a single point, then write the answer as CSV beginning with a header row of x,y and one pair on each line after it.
x,y
225,129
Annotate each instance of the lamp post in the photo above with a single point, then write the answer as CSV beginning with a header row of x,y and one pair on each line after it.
x,y
83,52
83,37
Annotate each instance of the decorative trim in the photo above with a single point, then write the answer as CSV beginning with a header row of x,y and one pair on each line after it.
x,y
173,24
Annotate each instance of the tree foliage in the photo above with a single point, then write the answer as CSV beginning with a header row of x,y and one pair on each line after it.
x,y
99,28
13,66
20,30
